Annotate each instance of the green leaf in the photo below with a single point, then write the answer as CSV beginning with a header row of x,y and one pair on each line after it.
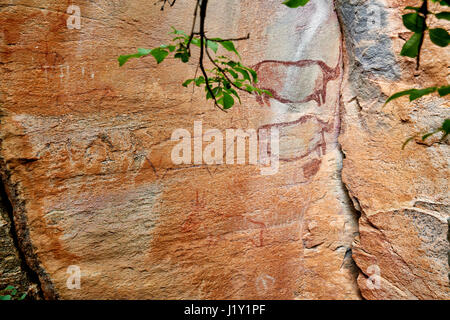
x,y
412,93
229,45
226,101
144,52
194,41
187,82
446,126
231,64
411,47
175,31
254,75
418,93
218,92
444,90
234,92
183,56
406,142
124,58
170,47
7,297
426,136
295,3
398,95
251,71
244,73
249,88
233,74
443,15
238,83
268,93
159,54
414,22
440,37
23,296
443,2
199,81
212,45
179,38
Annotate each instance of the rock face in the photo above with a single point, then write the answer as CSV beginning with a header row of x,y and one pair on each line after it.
x,y
12,271
86,157
402,250
86,152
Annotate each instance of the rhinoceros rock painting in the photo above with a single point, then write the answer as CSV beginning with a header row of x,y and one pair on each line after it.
x,y
120,183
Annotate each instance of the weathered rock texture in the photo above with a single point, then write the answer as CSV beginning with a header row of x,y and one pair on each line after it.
x,y
403,195
13,272
85,158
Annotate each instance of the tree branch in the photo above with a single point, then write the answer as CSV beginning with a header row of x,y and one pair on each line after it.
x,y
222,71
232,39
193,25
165,2
424,11
203,7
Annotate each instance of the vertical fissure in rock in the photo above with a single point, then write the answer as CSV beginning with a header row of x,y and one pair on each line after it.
x,y
350,200
29,273
357,214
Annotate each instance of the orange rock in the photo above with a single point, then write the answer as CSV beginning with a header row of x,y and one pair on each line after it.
x,y
403,196
86,148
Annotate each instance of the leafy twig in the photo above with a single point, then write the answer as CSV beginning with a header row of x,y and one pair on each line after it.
x,y
203,7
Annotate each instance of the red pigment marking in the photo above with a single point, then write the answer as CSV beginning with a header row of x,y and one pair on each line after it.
x,y
320,91
311,168
240,216
319,95
261,233
320,147
191,224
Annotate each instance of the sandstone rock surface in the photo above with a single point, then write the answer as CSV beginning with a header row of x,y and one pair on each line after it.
x,y
403,195
85,156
